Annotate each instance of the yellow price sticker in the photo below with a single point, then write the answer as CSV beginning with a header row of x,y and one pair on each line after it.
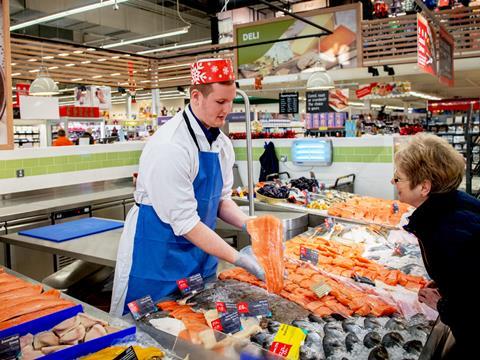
x,y
323,128
287,342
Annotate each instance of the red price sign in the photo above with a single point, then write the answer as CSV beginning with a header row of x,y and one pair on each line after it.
x,y
133,307
221,307
182,284
242,308
217,325
303,250
426,46
280,348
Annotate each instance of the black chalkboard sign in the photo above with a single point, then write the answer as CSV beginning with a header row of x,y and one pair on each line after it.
x,y
317,102
288,103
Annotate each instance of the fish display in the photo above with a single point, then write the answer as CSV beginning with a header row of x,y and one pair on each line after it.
x,y
373,210
21,301
141,353
267,243
70,332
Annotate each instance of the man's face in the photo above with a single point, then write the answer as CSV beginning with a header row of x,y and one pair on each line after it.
x,y
214,108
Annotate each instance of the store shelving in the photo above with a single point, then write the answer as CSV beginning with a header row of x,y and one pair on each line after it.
x,y
23,135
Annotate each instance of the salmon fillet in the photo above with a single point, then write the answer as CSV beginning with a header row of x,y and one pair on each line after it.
x,y
10,303
22,292
31,306
33,315
267,243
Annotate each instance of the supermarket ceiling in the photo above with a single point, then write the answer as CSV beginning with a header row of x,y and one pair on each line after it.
x,y
129,19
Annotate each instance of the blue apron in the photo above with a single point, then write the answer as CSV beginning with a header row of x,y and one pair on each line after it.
x,y
160,258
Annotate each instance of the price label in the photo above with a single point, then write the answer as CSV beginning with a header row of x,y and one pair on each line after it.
x,y
321,289
259,308
395,208
228,323
10,347
309,255
142,307
329,223
225,307
287,342
128,354
191,284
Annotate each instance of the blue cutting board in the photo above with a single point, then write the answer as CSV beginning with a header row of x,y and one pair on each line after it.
x,y
72,229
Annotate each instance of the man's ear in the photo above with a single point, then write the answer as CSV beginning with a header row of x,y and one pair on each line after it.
x,y
195,97
426,188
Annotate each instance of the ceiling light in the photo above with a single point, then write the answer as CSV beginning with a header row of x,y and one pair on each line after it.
x,y
68,89
64,54
43,85
147,38
32,60
53,67
103,59
424,96
96,76
91,49
65,13
16,74
86,62
176,46
320,80
78,79
116,57
145,81
69,65
13,64
373,71
172,66
48,57
115,74
78,52
34,71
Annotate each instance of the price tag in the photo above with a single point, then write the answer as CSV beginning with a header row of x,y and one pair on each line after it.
x,y
225,307
287,342
309,255
395,208
128,354
142,307
321,289
10,348
254,308
228,323
191,284
323,128
329,223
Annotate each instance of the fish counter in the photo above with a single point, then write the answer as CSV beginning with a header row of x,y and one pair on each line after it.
x,y
338,291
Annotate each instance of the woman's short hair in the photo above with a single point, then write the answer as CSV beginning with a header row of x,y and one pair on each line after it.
x,y
430,157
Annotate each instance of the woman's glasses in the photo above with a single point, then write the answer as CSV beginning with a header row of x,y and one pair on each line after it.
x,y
396,179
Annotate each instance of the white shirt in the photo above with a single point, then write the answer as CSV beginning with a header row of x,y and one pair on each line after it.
x,y
168,167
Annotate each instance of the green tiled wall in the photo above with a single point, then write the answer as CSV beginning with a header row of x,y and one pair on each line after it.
x,y
364,154
60,164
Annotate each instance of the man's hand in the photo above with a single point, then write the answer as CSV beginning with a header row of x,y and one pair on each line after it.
x,y
429,295
250,264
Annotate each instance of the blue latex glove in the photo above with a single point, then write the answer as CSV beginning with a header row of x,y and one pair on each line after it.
x,y
249,263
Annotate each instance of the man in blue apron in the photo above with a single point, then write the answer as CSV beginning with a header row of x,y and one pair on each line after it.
x,y
184,183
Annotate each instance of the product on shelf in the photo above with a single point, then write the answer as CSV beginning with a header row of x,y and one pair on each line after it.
x,y
274,191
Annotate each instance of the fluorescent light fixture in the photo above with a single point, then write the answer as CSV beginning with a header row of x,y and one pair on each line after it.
x,y
32,59
53,67
48,57
65,13
16,74
70,65
103,59
91,49
64,54
68,89
424,96
176,46
86,62
78,79
96,76
34,71
147,38
78,52
115,74
172,66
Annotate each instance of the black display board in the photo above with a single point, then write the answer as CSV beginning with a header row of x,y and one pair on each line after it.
x,y
288,103
317,102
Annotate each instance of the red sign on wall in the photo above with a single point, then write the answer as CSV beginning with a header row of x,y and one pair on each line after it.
x,y
426,49
21,89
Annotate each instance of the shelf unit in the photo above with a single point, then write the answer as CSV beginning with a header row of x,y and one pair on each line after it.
x,y
26,135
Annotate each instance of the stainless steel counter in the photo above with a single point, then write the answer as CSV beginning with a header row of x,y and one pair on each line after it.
x,y
32,203
98,248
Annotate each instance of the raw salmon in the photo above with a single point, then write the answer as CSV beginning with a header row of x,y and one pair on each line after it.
x,y
10,303
267,243
33,315
30,307
19,293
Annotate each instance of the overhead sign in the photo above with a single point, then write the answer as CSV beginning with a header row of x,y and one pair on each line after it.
x,y
390,89
304,49
317,102
21,89
426,49
288,103
446,46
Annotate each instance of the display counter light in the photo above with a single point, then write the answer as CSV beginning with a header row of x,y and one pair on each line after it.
x,y
312,152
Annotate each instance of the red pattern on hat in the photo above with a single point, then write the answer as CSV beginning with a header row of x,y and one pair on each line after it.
x,y
211,71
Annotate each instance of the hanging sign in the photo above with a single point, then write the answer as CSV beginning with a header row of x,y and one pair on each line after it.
x,y
21,89
317,102
288,103
446,46
376,89
426,49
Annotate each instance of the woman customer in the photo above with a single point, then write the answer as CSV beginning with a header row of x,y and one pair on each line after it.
x,y
447,224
